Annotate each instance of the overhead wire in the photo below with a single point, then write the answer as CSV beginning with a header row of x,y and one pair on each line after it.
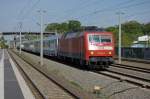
x,y
123,6
133,16
117,7
26,10
88,5
107,8
72,9
114,6
20,13
83,6
24,7
31,9
138,13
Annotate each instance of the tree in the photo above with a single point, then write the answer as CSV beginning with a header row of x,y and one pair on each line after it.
x,y
133,28
147,29
52,27
64,27
130,31
3,43
126,40
74,25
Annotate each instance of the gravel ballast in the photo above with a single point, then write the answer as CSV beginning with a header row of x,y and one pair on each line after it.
x,y
86,80
48,89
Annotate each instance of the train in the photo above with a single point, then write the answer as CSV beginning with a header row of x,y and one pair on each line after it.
x,y
50,46
92,49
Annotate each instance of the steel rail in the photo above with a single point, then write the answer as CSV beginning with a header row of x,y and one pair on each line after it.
x,y
131,76
66,86
140,69
128,78
136,60
26,76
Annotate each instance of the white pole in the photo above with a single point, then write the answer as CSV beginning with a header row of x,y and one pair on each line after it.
x,y
119,43
41,24
56,42
20,24
147,40
41,38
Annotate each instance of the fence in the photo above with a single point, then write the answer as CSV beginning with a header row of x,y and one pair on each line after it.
x,y
141,53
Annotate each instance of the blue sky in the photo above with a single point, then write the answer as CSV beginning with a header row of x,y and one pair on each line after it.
x,y
100,13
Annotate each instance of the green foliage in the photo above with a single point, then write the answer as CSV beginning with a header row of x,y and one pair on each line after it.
x,y
126,40
76,84
52,27
3,43
72,25
147,29
130,32
63,28
133,28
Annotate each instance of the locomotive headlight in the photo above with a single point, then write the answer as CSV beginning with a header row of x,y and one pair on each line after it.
x,y
109,53
92,53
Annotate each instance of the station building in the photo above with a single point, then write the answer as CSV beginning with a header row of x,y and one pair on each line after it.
x,y
142,42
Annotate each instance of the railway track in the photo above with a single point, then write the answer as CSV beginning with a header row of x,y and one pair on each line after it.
x,y
69,89
123,74
135,60
36,92
140,69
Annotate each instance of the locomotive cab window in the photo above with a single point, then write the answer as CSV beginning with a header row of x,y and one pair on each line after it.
x,y
105,39
94,38
100,38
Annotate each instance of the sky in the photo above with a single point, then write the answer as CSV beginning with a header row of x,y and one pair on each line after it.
x,y
101,13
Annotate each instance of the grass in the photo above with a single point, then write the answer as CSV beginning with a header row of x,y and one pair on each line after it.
x,y
75,84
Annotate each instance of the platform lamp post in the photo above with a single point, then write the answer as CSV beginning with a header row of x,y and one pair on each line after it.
x,y
119,42
41,24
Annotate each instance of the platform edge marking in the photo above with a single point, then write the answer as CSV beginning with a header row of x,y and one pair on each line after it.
x,y
2,76
23,85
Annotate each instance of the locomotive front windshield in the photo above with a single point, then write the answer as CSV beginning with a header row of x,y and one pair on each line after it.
x,y
100,38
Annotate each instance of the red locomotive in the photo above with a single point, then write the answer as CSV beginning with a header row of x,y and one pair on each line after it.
x,y
91,48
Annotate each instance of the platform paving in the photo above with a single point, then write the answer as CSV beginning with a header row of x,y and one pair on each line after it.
x,y
11,87
12,84
1,75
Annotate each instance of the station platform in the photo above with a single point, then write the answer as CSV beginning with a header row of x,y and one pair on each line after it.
x,y
12,84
